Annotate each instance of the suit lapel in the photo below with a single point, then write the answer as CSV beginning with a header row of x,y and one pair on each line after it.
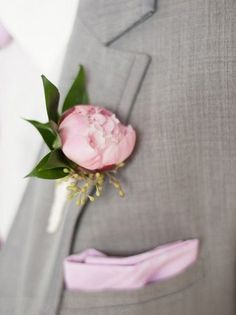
x,y
109,20
114,79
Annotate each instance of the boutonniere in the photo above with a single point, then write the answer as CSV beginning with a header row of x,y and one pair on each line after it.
x,y
88,144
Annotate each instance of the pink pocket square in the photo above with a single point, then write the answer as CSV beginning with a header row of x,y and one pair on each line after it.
x,y
92,270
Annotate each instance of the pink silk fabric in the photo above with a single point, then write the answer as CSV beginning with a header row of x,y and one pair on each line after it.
x,y
92,270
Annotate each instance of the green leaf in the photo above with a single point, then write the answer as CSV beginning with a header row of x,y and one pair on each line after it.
x,y
50,167
46,132
55,160
54,173
78,92
57,141
52,99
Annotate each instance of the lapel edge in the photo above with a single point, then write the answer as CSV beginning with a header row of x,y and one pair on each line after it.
x,y
98,16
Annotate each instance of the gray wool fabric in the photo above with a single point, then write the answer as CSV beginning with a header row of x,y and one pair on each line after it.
x,y
168,68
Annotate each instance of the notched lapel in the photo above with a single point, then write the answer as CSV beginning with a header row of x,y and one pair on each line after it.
x,y
111,19
114,79
114,76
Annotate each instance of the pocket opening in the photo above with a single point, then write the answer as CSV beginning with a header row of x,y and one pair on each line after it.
x,y
153,291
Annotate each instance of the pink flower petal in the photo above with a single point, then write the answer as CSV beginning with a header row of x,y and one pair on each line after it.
x,y
94,138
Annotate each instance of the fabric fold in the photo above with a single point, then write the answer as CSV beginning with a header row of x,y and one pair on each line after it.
x,y
120,15
92,270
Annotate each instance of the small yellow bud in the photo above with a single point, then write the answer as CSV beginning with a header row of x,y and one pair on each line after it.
x,y
83,201
83,189
73,188
91,198
121,193
117,185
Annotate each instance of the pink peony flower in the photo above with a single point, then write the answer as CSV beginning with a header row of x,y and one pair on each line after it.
x,y
94,138
5,37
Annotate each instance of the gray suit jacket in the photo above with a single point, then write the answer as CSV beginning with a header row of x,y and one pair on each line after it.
x,y
170,69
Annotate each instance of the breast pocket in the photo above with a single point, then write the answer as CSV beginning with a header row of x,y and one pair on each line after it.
x,y
132,302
